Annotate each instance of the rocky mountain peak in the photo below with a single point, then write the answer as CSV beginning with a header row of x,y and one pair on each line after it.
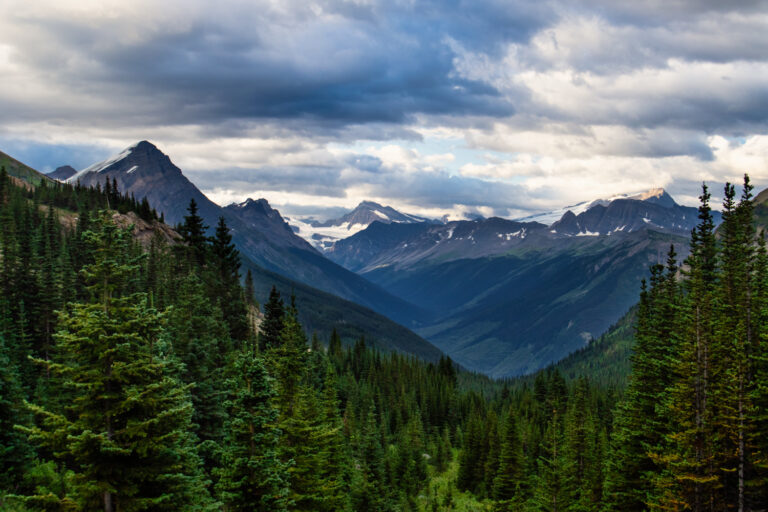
x,y
62,173
258,207
656,196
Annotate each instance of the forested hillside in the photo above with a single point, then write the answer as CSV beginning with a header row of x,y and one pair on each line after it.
x,y
137,375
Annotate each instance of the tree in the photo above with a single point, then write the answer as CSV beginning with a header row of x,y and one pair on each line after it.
x,y
272,325
553,485
193,230
252,477
126,431
641,426
15,452
690,460
509,479
310,441
226,262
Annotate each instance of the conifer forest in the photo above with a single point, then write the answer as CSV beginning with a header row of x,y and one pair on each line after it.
x,y
145,375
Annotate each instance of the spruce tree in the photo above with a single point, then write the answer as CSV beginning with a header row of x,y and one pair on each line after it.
x,y
509,479
691,459
309,441
553,484
272,325
193,230
252,477
15,452
126,431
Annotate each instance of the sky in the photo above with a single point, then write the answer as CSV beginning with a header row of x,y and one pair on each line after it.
x,y
433,107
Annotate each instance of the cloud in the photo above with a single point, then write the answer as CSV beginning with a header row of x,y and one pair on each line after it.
x,y
437,106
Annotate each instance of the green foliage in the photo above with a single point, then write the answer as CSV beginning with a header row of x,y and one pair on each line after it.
x,y
126,431
150,394
251,476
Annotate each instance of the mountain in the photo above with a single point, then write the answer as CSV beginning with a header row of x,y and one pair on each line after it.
x,y
62,173
654,195
259,215
324,235
319,312
19,170
507,297
656,210
400,246
258,231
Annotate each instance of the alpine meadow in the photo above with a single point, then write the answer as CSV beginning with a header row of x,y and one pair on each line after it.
x,y
370,256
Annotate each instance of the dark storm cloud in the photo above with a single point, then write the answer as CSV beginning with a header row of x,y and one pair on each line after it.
x,y
383,66
660,12
267,94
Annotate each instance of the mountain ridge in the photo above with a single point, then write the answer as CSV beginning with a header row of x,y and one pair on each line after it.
x,y
509,297
324,234
319,311
145,171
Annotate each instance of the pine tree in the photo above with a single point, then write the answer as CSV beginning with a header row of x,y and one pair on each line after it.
x,y
251,476
582,449
553,486
193,230
308,442
199,339
471,456
734,333
691,458
641,426
272,325
509,479
125,433
15,452
369,488
492,451
250,292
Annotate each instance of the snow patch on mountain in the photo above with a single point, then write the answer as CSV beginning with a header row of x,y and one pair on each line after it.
x,y
103,165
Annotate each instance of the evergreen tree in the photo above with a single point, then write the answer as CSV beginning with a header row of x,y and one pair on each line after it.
x,y
198,336
471,456
272,325
250,293
314,481
509,479
252,477
553,487
691,457
15,452
193,230
641,425
126,431
226,288
369,488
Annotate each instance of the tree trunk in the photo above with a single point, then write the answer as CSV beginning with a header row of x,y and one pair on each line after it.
x,y
108,502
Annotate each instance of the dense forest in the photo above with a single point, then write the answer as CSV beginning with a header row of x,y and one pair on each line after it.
x,y
143,375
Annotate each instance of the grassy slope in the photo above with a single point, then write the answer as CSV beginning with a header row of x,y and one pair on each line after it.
x,y
20,170
441,493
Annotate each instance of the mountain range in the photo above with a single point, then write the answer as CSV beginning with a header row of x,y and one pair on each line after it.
x,y
330,296
323,235
503,297
506,297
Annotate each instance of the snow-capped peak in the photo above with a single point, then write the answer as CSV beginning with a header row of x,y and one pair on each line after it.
x,y
105,164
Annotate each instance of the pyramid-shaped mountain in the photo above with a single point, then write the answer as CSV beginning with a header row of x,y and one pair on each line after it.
x,y
258,231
